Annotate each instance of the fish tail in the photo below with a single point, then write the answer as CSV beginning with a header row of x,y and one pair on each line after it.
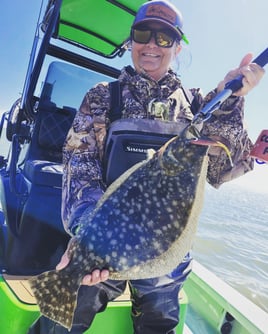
x,y
56,295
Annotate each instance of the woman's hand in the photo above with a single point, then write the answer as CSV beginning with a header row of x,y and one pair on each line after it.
x,y
95,277
252,74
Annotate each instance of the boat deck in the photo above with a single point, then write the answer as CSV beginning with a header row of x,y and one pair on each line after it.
x,y
20,286
19,303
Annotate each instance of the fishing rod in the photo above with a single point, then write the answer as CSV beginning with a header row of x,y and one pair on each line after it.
x,y
260,149
230,88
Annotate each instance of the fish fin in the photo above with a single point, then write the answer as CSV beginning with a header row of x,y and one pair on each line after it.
x,y
56,295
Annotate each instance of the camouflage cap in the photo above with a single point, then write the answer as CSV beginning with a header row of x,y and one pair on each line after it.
x,y
160,11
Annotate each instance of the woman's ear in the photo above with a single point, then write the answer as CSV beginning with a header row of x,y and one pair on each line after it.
x,y
128,45
178,49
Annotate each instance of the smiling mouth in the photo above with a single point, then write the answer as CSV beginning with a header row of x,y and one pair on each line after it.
x,y
146,54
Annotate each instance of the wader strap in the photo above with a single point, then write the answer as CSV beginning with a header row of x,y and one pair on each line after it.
x,y
115,101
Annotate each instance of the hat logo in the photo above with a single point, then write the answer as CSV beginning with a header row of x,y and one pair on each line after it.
x,y
161,12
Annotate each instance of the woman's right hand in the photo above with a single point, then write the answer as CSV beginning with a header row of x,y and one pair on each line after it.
x,y
251,72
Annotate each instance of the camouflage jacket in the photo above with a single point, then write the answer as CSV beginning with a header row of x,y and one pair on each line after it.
x,y
83,149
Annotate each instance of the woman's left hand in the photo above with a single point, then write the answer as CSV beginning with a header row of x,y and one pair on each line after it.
x,y
252,74
97,276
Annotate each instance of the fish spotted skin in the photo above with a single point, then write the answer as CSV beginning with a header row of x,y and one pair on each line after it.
x,y
142,227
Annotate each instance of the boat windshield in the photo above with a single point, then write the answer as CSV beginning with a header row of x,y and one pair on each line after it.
x,y
66,84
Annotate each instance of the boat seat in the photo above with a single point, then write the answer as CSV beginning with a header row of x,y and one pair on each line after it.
x,y
43,165
42,172
37,237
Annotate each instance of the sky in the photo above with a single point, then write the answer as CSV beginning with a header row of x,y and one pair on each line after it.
x,y
220,34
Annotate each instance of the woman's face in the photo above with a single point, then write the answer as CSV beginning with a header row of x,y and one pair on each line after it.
x,y
151,58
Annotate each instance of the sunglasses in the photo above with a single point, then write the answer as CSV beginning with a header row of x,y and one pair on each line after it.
x,y
163,38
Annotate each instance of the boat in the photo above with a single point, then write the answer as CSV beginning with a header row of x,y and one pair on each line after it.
x,y
76,50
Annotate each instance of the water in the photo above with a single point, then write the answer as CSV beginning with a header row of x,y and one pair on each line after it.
x,y
232,238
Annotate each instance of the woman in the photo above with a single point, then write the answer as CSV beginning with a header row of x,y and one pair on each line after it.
x,y
155,42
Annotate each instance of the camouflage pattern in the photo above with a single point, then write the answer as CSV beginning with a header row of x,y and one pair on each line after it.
x,y
144,97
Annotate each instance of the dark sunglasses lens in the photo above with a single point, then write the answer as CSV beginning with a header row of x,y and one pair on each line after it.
x,y
164,40
141,36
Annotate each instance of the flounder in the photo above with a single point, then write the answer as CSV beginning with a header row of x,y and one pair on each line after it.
x,y
142,227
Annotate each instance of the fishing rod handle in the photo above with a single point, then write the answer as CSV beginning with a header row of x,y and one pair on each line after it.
x,y
235,84
262,59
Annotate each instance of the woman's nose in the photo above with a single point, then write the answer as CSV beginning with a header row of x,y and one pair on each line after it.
x,y
152,41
